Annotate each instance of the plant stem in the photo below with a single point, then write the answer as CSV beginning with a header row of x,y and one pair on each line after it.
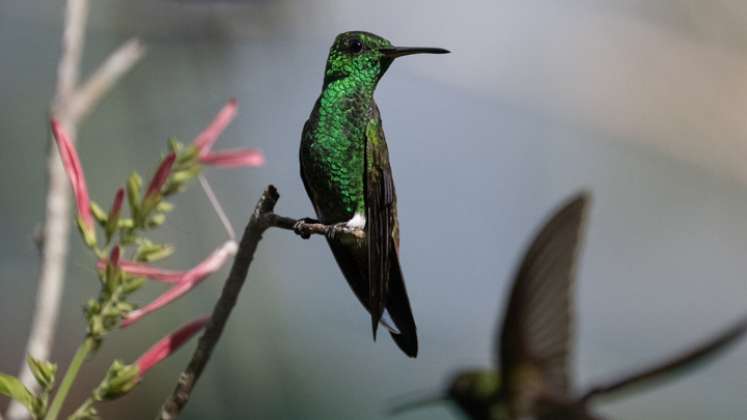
x,y
69,379
87,404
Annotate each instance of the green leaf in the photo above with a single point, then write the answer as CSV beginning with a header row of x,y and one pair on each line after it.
x,y
126,224
13,388
134,186
164,206
111,225
189,155
119,380
174,145
86,412
98,213
149,203
43,371
149,252
156,220
132,284
89,235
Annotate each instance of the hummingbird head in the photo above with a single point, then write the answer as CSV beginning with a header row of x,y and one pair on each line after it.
x,y
477,392
365,57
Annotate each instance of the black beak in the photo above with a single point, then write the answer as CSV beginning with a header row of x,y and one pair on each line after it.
x,y
394,52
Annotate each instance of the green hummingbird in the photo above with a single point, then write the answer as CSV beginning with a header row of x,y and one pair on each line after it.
x,y
346,172
533,346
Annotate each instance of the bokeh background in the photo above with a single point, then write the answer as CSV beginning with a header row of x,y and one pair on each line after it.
x,y
642,102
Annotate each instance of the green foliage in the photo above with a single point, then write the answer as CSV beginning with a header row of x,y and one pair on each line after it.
x,y
44,372
98,213
12,387
119,380
148,251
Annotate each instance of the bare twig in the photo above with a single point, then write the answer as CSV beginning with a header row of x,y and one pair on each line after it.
x,y
262,219
104,78
69,105
217,207
68,69
57,215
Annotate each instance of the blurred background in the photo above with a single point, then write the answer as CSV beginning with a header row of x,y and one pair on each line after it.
x,y
642,102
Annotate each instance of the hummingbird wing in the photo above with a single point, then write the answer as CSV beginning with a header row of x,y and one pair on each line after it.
x,y
675,366
306,132
534,342
381,220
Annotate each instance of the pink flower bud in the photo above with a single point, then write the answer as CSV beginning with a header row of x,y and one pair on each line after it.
x,y
166,346
117,204
188,282
71,163
114,256
234,158
205,141
161,175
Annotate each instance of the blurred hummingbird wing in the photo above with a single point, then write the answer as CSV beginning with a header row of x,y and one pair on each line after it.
x,y
675,366
380,217
534,342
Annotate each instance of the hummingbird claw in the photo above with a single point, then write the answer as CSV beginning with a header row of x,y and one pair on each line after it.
x,y
337,227
299,230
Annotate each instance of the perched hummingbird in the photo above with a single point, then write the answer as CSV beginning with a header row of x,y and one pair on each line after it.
x,y
345,169
533,345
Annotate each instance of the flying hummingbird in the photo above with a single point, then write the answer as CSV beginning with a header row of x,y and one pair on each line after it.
x,y
533,345
345,169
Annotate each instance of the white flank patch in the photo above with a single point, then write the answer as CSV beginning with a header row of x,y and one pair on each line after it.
x,y
357,222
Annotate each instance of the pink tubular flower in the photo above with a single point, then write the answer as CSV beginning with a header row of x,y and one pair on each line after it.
x,y
205,140
71,162
229,158
234,158
144,270
166,346
161,176
188,282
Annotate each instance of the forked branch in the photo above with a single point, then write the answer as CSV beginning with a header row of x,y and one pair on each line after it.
x,y
262,219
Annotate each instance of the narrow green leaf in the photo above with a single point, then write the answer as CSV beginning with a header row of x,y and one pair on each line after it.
x,y
134,186
156,220
132,284
189,155
164,206
119,380
149,252
89,235
174,145
43,371
12,387
98,213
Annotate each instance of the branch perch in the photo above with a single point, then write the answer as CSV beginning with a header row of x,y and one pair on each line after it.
x,y
262,219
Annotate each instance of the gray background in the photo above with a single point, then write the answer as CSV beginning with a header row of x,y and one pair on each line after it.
x,y
641,102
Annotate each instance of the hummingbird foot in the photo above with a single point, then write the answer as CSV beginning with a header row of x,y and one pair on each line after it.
x,y
353,227
332,232
300,227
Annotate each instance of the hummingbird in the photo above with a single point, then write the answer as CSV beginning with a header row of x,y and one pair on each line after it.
x,y
533,345
346,173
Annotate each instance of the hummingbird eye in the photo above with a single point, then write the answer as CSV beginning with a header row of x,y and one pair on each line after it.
x,y
355,45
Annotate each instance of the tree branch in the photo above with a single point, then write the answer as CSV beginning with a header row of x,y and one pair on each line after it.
x,y
262,219
69,105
